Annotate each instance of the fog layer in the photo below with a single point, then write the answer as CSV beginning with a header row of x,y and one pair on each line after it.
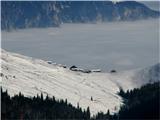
x,y
116,45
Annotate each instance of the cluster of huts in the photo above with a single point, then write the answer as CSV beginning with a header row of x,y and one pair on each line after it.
x,y
60,65
74,68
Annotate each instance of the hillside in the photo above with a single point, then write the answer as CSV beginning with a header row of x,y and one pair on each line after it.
x,y
33,76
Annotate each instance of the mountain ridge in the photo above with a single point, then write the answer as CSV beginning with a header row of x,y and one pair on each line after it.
x,y
27,14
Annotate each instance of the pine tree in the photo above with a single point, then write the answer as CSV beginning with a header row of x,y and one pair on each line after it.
x,y
108,112
91,98
77,105
41,97
88,113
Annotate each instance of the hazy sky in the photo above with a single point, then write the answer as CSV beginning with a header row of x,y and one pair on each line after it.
x,y
152,4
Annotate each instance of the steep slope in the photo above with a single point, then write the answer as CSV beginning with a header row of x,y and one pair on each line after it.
x,y
24,14
33,76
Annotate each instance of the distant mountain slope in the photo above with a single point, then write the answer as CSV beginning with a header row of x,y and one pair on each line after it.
x,y
150,74
24,14
33,76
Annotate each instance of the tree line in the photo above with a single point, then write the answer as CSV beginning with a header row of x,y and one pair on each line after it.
x,y
139,103
20,107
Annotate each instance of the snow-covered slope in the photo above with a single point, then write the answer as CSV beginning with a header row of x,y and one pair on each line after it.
x,y
33,76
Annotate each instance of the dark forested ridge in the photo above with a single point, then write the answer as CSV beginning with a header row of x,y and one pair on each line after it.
x,y
26,14
143,103
20,108
140,103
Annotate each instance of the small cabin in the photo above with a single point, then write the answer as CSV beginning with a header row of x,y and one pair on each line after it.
x,y
113,71
96,70
49,62
73,68
86,71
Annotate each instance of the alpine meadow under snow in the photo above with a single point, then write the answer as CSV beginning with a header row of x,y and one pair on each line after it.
x,y
34,76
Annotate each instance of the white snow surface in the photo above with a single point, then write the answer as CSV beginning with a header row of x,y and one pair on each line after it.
x,y
34,76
